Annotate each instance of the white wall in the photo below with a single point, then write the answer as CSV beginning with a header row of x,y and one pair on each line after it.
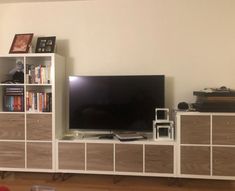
x,y
192,42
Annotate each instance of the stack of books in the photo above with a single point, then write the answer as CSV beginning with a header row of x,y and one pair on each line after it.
x,y
13,98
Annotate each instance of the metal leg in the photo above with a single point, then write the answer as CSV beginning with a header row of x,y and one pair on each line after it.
x,y
61,176
56,176
4,174
117,179
175,182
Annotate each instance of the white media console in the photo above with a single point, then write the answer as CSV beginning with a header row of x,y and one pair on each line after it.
x,y
144,158
204,147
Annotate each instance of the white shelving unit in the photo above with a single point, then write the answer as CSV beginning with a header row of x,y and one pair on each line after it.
x,y
27,136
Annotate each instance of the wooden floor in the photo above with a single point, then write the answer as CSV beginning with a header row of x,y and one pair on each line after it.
x,y
24,181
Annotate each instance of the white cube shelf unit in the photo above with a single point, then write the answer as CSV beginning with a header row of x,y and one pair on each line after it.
x,y
31,111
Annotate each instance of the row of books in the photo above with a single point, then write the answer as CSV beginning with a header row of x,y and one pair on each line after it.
x,y
13,98
13,103
38,101
38,74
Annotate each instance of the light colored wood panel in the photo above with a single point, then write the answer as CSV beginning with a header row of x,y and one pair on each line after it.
x,y
100,156
223,161
195,160
12,154
159,158
39,126
39,155
71,156
129,158
12,126
195,129
223,130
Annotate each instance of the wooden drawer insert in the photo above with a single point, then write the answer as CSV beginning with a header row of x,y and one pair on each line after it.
x,y
159,158
100,156
39,126
223,130
129,158
195,160
195,129
12,126
39,155
71,156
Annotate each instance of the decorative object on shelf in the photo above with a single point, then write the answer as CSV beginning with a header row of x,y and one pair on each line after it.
x,y
162,115
45,44
16,73
163,128
21,43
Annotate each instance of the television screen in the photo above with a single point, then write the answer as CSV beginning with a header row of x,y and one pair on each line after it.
x,y
115,103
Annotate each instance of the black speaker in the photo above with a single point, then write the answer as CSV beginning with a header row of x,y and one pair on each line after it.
x,y
183,106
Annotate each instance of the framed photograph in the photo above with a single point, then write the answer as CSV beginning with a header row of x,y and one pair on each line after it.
x,y
45,44
21,43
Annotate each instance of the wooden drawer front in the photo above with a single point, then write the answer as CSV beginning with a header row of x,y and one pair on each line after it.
x,y
223,130
159,158
129,158
100,157
12,154
195,129
12,126
195,160
223,161
39,126
39,155
71,156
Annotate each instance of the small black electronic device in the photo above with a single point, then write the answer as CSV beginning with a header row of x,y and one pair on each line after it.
x,y
183,106
106,136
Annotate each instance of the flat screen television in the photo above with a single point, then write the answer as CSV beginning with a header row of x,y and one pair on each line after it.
x,y
115,103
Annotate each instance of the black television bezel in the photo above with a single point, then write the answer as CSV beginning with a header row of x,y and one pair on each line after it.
x,y
101,131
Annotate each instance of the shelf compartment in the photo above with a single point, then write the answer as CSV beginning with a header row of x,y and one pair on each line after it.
x,y
12,126
12,154
39,155
12,98
38,99
38,70
39,127
8,68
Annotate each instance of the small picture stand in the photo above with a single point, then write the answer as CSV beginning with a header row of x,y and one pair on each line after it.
x,y
163,129
45,44
162,114
21,43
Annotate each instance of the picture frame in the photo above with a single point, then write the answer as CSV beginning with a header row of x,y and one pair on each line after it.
x,y
21,43
45,44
